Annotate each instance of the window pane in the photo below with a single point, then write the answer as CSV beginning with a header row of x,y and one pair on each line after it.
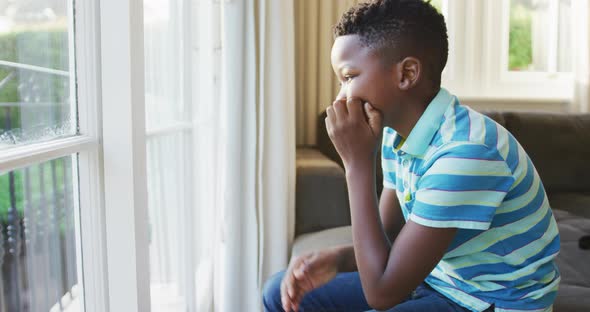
x,y
34,72
540,36
37,238
169,155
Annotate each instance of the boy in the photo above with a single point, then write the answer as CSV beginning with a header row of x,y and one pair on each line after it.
x,y
463,222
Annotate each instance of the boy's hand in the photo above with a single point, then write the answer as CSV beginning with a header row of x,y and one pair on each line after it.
x,y
306,273
354,128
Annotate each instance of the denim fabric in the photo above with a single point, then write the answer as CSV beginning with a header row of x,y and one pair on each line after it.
x,y
345,294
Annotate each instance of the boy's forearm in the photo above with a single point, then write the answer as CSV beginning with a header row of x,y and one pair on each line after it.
x,y
371,244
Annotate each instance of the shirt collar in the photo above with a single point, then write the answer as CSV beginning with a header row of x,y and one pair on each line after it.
x,y
428,124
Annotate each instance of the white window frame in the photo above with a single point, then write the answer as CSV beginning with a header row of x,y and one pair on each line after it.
x,y
124,155
112,232
88,190
478,58
453,69
448,72
92,215
535,85
462,74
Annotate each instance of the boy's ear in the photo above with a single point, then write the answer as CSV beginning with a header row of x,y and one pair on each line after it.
x,y
409,72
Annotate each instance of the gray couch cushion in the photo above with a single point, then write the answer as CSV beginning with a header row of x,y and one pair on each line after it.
x,y
321,199
572,298
577,203
321,240
559,146
573,263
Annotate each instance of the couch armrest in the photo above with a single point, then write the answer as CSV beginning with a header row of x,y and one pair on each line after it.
x,y
321,199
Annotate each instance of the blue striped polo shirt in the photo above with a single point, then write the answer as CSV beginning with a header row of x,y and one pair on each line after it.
x,y
460,169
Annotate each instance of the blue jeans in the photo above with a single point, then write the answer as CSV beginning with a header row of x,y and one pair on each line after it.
x,y
344,293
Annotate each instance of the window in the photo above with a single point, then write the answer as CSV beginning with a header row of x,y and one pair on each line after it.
x,y
443,7
539,36
169,155
35,74
48,159
96,162
38,250
509,49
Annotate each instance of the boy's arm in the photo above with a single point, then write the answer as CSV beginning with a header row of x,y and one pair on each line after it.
x,y
392,220
389,273
312,270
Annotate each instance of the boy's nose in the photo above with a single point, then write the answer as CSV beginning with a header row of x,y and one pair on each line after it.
x,y
341,95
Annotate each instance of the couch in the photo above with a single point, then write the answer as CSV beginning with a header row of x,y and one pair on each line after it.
x,y
559,146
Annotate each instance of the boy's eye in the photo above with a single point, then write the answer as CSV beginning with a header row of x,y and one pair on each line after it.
x,y
346,79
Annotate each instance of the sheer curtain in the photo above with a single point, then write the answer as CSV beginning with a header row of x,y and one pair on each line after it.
x,y
258,154
220,96
243,94
206,69
170,151
581,48
257,109
183,89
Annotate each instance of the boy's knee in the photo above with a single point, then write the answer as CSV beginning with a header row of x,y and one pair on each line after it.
x,y
271,293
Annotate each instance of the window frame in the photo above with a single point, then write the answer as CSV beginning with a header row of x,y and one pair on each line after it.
x,y
124,155
537,85
479,61
449,70
90,163
84,83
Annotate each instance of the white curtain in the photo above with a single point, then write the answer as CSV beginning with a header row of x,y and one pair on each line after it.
x,y
243,68
581,48
170,153
276,161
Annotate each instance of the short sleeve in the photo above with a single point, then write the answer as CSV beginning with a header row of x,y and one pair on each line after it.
x,y
462,188
388,160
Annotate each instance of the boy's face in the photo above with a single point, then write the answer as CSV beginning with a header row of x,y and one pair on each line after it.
x,y
364,75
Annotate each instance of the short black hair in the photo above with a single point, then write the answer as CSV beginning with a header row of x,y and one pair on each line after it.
x,y
400,28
